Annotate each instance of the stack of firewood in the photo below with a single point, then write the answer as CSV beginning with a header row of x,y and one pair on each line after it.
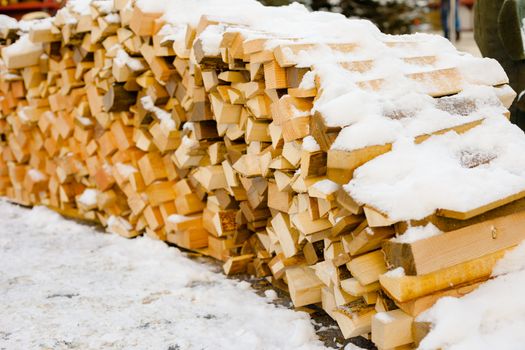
x,y
227,147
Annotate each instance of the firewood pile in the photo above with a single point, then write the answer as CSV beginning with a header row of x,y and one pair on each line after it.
x,y
367,173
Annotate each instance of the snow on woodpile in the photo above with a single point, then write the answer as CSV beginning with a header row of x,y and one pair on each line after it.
x,y
451,171
367,173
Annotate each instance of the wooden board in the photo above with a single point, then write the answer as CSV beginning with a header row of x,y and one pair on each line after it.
x,y
455,247
405,288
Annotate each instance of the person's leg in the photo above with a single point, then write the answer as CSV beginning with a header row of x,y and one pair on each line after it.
x,y
458,22
444,19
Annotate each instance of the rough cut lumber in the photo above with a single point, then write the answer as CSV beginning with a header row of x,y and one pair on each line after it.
x,y
367,268
392,329
471,213
417,306
304,286
355,318
452,248
405,288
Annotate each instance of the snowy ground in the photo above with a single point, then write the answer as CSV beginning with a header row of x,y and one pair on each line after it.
x,y
67,286
491,317
64,285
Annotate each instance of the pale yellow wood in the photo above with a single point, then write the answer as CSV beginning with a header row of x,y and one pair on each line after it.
x,y
455,247
367,268
392,329
304,286
405,288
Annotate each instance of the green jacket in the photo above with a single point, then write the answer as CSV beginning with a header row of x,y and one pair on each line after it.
x,y
498,33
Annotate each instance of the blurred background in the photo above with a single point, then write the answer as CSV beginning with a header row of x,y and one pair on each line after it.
x,y
403,16
391,16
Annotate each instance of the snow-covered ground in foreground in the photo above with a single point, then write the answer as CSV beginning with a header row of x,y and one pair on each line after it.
x,y
491,317
64,285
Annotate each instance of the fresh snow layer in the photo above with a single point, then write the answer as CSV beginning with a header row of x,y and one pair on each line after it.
x,y
326,186
21,47
310,144
491,317
378,120
400,108
7,22
416,233
66,285
413,180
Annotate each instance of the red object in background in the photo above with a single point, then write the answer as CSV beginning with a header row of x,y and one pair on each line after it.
x,y
21,8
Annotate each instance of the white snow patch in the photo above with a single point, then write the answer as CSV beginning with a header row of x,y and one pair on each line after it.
x,y
88,197
351,346
448,171
66,283
308,81
490,317
396,273
176,218
417,233
270,294
165,118
125,170
326,186
8,22
36,175
21,47
310,144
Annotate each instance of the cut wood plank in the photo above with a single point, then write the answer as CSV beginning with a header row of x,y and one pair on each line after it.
x,y
304,286
368,267
455,247
355,318
405,288
236,265
417,306
454,214
392,329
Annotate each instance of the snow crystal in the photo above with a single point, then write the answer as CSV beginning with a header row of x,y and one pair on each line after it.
x,y
186,141
84,121
79,6
122,58
211,39
117,220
